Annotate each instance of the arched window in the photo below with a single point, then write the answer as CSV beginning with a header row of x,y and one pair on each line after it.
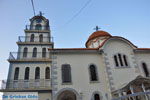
x,y
38,27
32,38
96,97
34,52
44,52
125,60
93,73
116,61
37,73
47,73
120,59
66,73
27,71
145,69
25,51
16,75
41,38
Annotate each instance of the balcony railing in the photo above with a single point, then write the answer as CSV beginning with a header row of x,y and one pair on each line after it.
x,y
28,55
36,39
25,84
37,27
135,96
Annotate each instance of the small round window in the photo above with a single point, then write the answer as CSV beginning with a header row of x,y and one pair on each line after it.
x,y
38,20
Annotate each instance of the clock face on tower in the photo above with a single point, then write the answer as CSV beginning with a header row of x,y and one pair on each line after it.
x,y
38,20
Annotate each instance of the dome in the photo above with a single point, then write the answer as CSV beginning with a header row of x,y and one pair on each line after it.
x,y
97,34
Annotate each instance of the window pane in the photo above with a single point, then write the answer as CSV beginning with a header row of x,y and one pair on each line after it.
x,y
41,38
44,52
25,52
32,38
66,73
93,73
16,75
38,27
27,70
125,60
37,73
120,59
34,52
145,69
47,73
116,60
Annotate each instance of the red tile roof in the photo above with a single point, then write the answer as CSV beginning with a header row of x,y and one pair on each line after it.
x,y
73,49
143,49
97,34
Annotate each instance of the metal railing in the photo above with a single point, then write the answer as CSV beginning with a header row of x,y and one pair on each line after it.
x,y
28,55
25,84
35,39
135,96
37,27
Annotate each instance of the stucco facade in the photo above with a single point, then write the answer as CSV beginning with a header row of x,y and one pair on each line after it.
x,y
109,68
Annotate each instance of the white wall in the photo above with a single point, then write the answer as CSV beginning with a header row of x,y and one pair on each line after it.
x,y
121,75
80,74
32,67
143,57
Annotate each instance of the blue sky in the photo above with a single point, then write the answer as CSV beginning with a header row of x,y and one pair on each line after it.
x,y
126,18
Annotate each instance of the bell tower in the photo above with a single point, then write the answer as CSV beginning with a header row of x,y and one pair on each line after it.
x,y
38,30
30,66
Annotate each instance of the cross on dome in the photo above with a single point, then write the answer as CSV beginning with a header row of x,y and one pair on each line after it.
x,y
97,28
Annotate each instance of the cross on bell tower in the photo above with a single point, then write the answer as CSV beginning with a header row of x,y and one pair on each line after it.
x,y
40,13
97,28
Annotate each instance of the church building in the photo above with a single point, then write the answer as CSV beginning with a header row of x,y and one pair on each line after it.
x,y
108,68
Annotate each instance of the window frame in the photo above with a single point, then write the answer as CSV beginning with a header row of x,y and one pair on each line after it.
x,y
28,74
38,27
32,37
25,52
34,54
16,74
147,69
47,76
69,81
125,64
43,52
96,72
41,38
37,77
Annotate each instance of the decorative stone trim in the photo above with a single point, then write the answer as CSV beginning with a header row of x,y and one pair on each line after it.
x,y
109,73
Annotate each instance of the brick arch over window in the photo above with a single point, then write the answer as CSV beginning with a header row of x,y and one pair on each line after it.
x,y
93,73
145,69
66,73
16,74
